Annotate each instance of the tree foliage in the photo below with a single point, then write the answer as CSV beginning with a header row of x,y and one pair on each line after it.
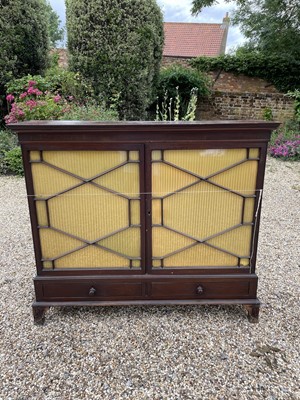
x,y
24,42
117,45
271,26
56,34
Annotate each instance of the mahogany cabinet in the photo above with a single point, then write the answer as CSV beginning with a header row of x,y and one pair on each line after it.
x,y
144,212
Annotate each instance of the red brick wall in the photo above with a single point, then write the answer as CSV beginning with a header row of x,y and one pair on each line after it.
x,y
250,106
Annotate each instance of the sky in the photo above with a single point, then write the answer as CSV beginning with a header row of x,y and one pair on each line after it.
x,y
180,11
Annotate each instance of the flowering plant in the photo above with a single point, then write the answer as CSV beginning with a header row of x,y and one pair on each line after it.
x,y
33,104
286,149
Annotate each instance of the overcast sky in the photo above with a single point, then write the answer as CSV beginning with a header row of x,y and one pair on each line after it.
x,y
180,11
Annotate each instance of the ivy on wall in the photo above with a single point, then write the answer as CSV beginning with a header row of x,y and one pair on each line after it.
x,y
283,73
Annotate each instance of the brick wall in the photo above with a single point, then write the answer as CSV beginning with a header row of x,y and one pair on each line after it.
x,y
232,106
229,82
63,57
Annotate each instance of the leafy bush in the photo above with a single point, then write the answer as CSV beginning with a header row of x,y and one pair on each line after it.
x,y
282,72
177,82
89,112
33,104
118,50
57,80
296,95
13,161
8,154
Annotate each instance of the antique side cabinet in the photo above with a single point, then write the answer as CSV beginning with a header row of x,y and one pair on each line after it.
x,y
144,213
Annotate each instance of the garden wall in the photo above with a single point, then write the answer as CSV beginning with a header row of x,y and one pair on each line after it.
x,y
245,105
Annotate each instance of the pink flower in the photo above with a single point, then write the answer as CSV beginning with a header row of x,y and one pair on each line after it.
x,y
31,90
57,98
31,83
23,95
10,98
31,104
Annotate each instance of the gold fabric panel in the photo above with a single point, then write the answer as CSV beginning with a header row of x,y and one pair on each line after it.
x,y
55,244
156,155
135,212
127,242
202,210
122,180
136,264
249,210
237,241
35,156
245,262
98,213
200,255
92,257
241,179
41,210
47,264
85,163
166,179
134,155
205,162
87,211
48,181
253,153
156,263
156,212
165,241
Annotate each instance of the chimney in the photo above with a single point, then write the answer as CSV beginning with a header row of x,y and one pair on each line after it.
x,y
226,21
225,26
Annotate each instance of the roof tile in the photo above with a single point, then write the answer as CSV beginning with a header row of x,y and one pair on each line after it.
x,y
193,39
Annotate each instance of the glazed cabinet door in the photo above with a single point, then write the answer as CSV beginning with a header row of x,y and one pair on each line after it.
x,y
203,206
87,208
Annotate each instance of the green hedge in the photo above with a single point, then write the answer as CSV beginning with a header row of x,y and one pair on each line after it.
x,y
282,72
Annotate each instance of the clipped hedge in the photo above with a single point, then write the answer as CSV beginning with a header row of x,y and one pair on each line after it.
x,y
117,45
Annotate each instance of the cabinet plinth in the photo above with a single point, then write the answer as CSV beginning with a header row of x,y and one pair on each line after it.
x,y
144,213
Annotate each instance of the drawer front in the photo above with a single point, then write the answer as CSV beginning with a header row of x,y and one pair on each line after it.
x,y
205,289
179,288
88,291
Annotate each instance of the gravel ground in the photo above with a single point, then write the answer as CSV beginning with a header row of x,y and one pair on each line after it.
x,y
155,352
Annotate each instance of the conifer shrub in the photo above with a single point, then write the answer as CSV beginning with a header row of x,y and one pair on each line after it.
x,y
117,45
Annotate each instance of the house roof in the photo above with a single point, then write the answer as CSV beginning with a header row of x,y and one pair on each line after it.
x,y
193,40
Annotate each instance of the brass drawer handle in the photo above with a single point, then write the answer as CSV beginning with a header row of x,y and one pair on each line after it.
x,y
200,290
92,292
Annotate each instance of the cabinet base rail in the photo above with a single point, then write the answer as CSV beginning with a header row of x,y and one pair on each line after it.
x,y
251,306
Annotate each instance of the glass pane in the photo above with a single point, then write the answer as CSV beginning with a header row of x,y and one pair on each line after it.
x,y
86,164
254,153
81,214
205,162
124,180
35,156
200,255
201,219
41,210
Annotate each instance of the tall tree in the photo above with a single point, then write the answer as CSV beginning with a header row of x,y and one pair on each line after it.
x,y
24,41
117,46
56,33
271,26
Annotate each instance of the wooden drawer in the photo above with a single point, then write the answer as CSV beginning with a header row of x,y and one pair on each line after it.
x,y
218,288
87,290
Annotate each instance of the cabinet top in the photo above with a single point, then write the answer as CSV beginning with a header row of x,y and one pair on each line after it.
x,y
136,125
85,132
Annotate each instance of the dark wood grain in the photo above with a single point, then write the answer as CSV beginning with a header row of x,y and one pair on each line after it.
x,y
145,286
